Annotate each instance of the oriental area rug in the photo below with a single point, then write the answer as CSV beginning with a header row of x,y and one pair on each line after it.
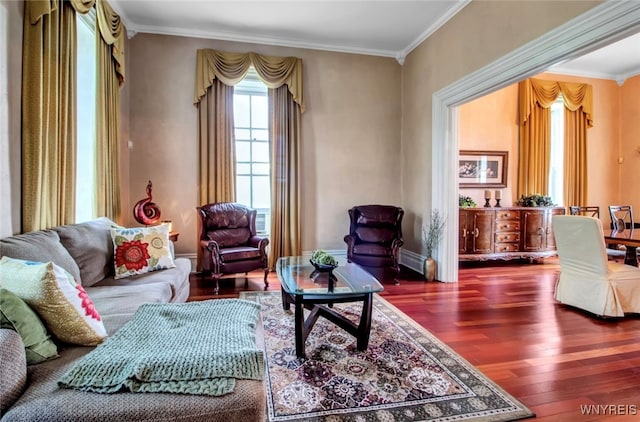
x,y
406,374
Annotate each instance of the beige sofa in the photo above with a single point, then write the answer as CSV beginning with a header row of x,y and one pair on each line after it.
x,y
31,392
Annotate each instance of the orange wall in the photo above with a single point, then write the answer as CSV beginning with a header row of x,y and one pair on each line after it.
x,y
630,145
490,123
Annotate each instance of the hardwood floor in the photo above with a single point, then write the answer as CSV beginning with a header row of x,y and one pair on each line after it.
x,y
503,319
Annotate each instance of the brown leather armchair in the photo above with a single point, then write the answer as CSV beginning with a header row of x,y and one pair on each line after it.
x,y
375,236
229,242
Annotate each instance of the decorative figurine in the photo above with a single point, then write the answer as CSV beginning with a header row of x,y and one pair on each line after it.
x,y
146,212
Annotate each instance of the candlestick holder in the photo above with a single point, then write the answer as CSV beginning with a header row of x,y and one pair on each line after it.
x,y
487,202
497,202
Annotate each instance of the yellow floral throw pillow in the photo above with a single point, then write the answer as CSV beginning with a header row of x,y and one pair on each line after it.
x,y
140,250
62,304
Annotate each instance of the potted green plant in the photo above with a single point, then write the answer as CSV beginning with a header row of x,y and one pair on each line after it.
x,y
466,202
535,200
431,236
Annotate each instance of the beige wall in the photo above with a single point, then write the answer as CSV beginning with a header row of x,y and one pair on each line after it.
x,y
479,34
630,145
490,123
350,133
11,13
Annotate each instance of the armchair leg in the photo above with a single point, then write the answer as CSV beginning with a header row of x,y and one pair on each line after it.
x,y
266,282
216,284
396,269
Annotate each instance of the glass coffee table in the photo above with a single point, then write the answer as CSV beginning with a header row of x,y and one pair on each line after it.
x,y
306,288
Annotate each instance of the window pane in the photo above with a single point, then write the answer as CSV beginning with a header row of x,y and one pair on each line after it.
x,y
261,134
260,112
243,168
86,137
260,152
243,153
241,110
261,169
243,135
261,192
243,190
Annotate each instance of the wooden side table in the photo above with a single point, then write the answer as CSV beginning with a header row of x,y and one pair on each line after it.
x,y
173,236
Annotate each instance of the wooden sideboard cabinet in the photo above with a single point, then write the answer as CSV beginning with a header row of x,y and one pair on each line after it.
x,y
506,233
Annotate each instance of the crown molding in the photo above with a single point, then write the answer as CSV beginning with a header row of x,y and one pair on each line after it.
x,y
259,39
619,78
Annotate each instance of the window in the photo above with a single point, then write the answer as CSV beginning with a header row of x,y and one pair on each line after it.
x,y
556,166
86,119
251,114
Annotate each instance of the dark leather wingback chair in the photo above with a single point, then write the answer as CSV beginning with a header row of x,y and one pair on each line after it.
x,y
375,236
229,242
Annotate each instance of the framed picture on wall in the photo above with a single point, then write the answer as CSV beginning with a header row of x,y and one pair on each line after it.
x,y
480,169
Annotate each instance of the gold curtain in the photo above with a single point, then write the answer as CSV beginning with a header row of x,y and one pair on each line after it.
x,y
49,109
535,99
285,116
110,68
48,115
216,143
284,128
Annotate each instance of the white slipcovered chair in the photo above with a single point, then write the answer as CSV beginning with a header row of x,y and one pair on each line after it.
x,y
587,280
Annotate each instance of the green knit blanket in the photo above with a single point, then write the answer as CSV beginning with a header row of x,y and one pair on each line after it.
x,y
190,348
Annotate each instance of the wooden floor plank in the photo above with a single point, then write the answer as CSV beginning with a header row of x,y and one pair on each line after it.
x,y
502,318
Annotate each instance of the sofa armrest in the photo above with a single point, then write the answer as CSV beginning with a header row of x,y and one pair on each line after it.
x,y
13,368
350,240
258,242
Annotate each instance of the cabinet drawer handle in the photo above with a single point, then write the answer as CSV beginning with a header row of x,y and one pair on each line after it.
x,y
464,233
476,232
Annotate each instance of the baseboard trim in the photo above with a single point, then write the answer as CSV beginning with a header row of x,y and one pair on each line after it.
x,y
412,260
191,257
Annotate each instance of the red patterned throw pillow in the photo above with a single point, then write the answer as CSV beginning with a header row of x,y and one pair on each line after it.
x,y
140,250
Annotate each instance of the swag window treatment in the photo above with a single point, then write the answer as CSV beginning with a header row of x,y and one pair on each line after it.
x,y
535,99
283,77
49,108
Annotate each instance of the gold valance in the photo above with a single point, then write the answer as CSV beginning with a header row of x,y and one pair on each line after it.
x,y
108,23
544,93
231,68
112,31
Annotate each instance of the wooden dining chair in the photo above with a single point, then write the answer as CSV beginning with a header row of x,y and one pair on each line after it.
x,y
613,251
622,218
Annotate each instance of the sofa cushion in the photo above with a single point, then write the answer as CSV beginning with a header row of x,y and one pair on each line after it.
x,y
40,246
91,247
16,315
141,250
44,397
239,254
372,249
175,279
13,368
63,304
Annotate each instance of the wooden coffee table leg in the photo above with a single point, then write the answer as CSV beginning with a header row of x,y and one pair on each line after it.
x,y
364,329
299,328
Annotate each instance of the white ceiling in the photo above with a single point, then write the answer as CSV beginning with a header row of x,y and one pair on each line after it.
x,y
618,61
390,28
381,28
